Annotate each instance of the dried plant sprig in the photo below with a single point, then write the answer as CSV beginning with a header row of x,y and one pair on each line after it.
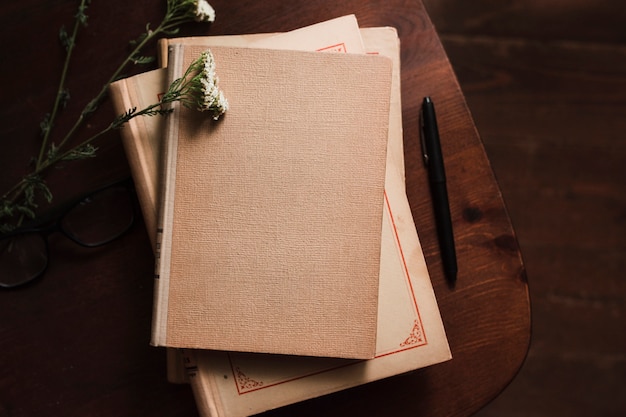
x,y
178,12
20,200
69,42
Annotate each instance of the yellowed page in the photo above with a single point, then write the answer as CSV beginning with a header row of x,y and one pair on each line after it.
x,y
341,35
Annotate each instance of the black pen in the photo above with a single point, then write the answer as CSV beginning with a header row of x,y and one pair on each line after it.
x,y
433,159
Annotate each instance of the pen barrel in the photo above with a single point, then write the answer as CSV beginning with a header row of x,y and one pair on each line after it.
x,y
444,227
431,142
438,189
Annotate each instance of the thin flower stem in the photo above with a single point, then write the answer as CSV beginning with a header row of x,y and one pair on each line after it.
x,y
16,190
170,22
42,164
117,123
103,91
55,108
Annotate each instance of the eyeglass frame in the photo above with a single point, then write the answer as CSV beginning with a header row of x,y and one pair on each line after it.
x,y
52,223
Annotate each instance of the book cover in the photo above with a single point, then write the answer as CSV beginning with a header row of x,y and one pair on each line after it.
x,y
341,34
271,217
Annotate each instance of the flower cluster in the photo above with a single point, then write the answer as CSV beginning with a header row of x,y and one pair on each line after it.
x,y
201,91
198,10
204,12
213,97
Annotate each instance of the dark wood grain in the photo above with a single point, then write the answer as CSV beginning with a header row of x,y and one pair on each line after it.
x,y
546,83
75,342
554,132
575,20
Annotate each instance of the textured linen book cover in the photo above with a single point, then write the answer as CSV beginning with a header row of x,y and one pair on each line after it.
x,y
141,137
272,216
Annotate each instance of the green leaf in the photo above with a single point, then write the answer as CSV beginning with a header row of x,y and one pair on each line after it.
x,y
171,32
53,152
6,208
80,15
6,228
139,39
34,185
25,210
142,60
82,152
64,97
66,41
45,125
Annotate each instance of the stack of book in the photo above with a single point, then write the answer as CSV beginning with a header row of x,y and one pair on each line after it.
x,y
288,264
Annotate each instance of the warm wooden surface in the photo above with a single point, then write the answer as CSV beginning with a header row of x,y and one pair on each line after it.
x,y
546,83
76,342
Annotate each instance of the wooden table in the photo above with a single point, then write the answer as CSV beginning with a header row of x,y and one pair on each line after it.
x,y
75,343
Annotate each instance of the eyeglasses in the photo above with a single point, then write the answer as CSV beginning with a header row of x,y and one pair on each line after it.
x,y
90,221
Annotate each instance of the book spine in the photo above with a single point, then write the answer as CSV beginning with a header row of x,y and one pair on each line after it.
x,y
204,390
175,370
163,232
162,52
176,373
123,100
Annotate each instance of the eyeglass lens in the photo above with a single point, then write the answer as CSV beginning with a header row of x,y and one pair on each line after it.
x,y
100,218
95,220
22,258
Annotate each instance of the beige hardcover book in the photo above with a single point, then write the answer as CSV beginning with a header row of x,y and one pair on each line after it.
x,y
336,35
271,217
410,331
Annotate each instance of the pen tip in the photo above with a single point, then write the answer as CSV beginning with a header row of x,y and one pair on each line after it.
x,y
427,99
451,276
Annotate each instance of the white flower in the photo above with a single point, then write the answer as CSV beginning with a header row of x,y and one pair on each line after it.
x,y
197,88
212,98
204,12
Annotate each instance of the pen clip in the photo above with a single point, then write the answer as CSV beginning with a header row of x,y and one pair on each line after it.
x,y
423,138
